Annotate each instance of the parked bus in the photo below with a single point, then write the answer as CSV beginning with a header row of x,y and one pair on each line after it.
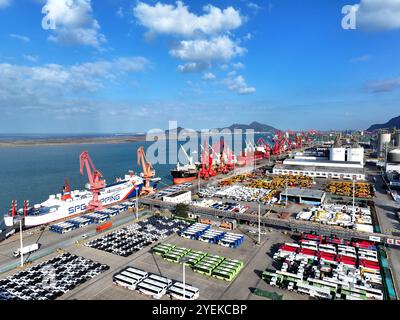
x,y
176,291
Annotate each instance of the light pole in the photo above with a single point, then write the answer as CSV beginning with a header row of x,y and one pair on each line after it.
x,y
198,180
354,193
20,238
286,192
183,261
137,203
259,223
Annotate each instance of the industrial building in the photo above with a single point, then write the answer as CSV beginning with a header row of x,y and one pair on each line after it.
x,y
179,197
343,163
392,168
304,196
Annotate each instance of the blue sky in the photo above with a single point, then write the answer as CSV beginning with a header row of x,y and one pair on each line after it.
x,y
129,66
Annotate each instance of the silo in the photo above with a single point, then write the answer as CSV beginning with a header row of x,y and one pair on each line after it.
x,y
355,155
384,138
394,156
397,138
337,154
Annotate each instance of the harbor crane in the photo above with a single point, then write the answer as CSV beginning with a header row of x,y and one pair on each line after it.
x,y
206,170
148,172
96,183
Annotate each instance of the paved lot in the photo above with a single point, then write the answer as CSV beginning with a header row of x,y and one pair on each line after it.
x,y
256,260
51,241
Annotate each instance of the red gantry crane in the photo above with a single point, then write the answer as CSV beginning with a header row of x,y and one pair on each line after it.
x,y
148,172
96,182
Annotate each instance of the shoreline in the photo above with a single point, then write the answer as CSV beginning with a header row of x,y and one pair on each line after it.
x,y
69,141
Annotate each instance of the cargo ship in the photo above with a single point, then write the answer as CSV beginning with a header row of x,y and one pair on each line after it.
x,y
185,173
72,203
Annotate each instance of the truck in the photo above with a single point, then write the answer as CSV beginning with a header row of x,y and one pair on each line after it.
x,y
28,249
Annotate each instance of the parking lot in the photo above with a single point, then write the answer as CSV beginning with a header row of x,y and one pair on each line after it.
x,y
256,259
50,279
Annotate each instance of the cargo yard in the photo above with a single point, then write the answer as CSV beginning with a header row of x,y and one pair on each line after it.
x,y
231,234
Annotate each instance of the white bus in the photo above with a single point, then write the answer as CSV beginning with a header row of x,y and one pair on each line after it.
x,y
151,289
176,291
139,272
126,282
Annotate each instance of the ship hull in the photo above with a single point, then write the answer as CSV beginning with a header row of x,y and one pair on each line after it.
x,y
181,176
69,209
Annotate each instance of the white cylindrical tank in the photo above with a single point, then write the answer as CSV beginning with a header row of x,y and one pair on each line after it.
x,y
355,155
384,138
394,156
397,139
337,154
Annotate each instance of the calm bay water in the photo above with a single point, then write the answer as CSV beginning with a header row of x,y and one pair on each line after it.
x,y
33,173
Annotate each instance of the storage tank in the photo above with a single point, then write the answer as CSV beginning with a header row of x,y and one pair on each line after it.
x,y
394,156
384,138
355,155
337,154
397,138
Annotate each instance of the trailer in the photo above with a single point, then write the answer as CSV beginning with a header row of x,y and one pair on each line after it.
x,y
26,250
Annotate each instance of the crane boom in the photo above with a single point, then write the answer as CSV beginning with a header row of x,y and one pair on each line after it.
x,y
148,171
96,182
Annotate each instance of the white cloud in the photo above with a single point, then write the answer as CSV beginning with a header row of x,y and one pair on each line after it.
x,y
192,67
238,65
238,84
254,6
386,85
378,15
21,84
216,49
74,23
209,76
363,58
178,20
30,58
4,3
20,37
120,12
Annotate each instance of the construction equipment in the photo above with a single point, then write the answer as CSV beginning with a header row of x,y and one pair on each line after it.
x,y
206,170
26,208
222,168
279,143
96,183
13,208
147,174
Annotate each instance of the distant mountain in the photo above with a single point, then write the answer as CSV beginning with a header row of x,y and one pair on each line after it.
x,y
256,126
392,123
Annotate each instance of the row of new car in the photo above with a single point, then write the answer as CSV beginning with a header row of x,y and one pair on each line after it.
x,y
154,285
220,205
172,189
237,193
91,218
203,232
135,237
327,270
50,279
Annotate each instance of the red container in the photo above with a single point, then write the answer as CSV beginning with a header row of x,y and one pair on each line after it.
x,y
288,248
104,226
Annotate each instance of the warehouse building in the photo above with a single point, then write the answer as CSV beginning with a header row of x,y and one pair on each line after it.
x,y
179,197
303,195
344,170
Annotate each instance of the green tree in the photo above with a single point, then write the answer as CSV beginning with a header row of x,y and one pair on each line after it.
x,y
182,210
